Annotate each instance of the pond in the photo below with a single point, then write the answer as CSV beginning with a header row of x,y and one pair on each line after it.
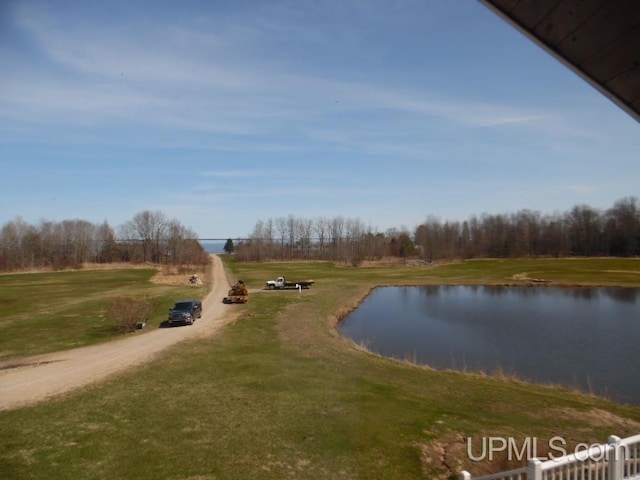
x,y
584,338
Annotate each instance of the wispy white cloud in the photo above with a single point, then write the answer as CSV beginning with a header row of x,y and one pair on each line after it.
x,y
237,173
184,79
238,194
582,189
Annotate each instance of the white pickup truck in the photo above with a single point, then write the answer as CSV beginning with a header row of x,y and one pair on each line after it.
x,y
281,282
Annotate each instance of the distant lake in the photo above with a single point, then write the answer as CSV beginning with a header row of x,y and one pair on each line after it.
x,y
213,247
585,338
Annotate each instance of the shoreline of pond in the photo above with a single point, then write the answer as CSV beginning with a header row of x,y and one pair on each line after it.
x,y
344,312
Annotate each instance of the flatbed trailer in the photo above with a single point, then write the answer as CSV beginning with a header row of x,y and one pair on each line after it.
x,y
282,283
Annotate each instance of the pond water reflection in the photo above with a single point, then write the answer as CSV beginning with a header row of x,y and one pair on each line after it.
x,y
586,338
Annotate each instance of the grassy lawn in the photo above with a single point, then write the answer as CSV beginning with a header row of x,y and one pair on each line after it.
x,y
45,312
278,394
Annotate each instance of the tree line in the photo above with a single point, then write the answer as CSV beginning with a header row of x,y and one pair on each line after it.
x,y
581,231
152,237
147,237
289,238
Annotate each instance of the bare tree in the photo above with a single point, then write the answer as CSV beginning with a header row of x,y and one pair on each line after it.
x,y
336,230
176,235
304,231
282,231
148,228
291,234
258,240
14,244
321,227
427,238
105,244
584,230
354,230
160,224
78,239
623,227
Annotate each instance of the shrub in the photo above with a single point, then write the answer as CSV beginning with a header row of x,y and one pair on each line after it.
x,y
127,312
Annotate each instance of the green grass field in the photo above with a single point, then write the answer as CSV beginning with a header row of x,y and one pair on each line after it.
x,y
45,312
278,394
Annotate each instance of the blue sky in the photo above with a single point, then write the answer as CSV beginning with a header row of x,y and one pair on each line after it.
x,y
223,113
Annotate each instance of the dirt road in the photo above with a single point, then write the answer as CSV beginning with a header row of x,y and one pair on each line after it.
x,y
35,379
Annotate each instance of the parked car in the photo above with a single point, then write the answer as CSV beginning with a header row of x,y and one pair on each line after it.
x,y
185,312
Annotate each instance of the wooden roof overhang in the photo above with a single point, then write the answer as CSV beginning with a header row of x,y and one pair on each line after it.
x,y
597,39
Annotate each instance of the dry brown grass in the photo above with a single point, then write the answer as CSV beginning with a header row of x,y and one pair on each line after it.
x,y
179,275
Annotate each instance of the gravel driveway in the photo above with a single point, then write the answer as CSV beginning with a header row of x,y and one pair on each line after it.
x,y
31,380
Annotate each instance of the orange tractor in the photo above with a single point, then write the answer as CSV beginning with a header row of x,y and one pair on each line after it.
x,y
237,294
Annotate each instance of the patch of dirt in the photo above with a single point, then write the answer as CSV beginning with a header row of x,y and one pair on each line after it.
x,y
524,276
441,457
633,272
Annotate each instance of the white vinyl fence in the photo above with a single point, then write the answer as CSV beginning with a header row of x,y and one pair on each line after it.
x,y
618,459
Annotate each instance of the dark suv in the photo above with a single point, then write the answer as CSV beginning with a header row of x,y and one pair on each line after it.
x,y
185,312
